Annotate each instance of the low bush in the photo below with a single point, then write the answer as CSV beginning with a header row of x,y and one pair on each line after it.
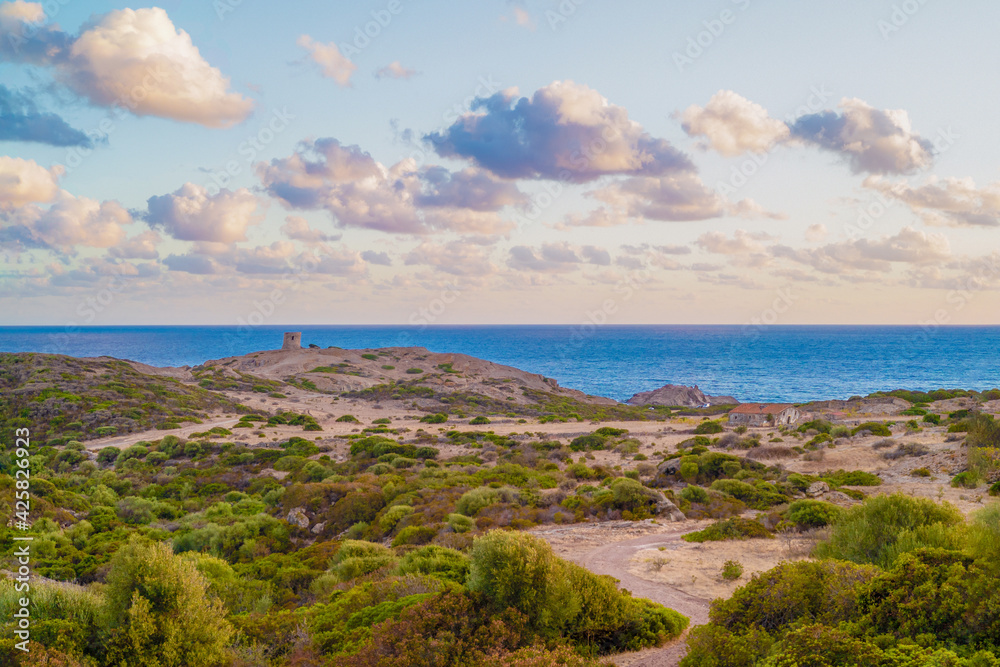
x,y
735,528
882,528
875,428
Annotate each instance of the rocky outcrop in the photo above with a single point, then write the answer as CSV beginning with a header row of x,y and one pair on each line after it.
x,y
676,394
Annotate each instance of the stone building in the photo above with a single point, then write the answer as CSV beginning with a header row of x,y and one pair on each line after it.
x,y
293,340
763,414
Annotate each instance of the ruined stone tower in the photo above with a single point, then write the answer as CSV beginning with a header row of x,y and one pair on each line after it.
x,y
293,340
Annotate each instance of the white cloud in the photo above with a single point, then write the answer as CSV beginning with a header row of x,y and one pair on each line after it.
x,y
459,258
331,61
141,246
69,222
742,242
139,60
25,181
564,131
871,140
191,214
948,201
908,246
732,125
297,229
360,192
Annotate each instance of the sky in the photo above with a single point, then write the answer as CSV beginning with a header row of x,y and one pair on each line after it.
x,y
395,162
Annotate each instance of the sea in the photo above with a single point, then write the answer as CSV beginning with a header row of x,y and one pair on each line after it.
x,y
751,363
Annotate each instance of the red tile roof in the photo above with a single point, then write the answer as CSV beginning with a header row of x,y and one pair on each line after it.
x,y
760,408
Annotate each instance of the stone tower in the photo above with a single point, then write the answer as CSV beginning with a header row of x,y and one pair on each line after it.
x,y
293,340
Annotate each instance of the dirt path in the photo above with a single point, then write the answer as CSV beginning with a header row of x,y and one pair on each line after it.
x,y
609,548
614,559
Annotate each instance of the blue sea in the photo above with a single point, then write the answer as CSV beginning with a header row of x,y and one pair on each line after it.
x,y
766,363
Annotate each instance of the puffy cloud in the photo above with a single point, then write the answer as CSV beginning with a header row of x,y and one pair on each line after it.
x,y
191,214
141,246
360,192
732,124
909,246
470,189
565,131
131,58
331,61
872,141
395,70
20,120
25,181
602,216
297,229
458,258
67,223
380,258
679,197
270,259
742,242
556,257
948,201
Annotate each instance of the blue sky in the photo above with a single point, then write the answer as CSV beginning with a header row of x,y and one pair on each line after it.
x,y
380,182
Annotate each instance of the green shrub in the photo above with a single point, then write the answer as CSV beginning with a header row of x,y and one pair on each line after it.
x,y
414,371
474,500
851,478
479,421
884,527
708,427
461,523
519,570
357,558
932,419
812,513
694,494
438,418
438,562
586,443
370,357
689,471
875,428
414,535
734,528
350,419
732,570
965,480
394,515
921,472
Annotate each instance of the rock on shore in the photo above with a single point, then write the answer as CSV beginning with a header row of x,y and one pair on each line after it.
x,y
676,394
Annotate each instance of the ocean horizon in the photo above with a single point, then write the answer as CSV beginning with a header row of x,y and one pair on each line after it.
x,y
766,363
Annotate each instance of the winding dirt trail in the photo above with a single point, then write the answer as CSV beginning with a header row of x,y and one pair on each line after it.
x,y
614,559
